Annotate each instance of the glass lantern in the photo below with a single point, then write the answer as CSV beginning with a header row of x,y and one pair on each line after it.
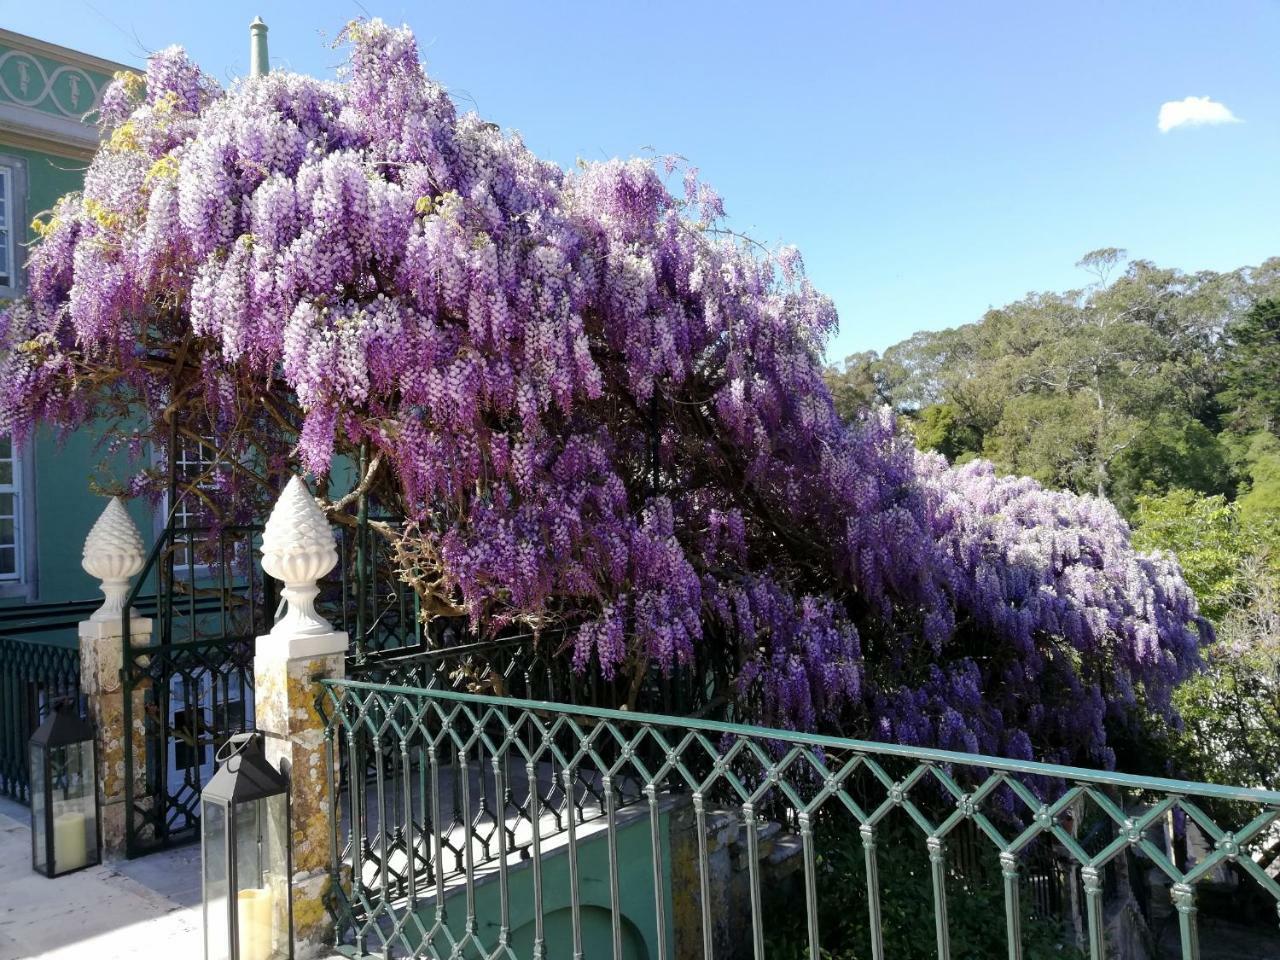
x,y
65,830
246,857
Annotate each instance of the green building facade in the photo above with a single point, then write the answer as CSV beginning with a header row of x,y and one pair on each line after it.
x,y
48,95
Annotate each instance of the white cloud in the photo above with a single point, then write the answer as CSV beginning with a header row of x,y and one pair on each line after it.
x,y
1193,112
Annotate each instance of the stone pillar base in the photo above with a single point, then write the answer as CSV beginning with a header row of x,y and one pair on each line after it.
x,y
286,690
102,683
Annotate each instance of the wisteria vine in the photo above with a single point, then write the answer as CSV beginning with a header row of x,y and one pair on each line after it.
x,y
593,404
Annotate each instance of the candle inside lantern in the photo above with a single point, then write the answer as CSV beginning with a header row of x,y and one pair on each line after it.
x,y
70,847
253,920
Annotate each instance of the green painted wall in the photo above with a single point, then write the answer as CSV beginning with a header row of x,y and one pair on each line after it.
x,y
66,508
60,85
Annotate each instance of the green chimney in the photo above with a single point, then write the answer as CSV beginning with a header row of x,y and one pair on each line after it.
x,y
258,62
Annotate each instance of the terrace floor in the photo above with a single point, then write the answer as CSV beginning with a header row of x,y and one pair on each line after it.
x,y
118,911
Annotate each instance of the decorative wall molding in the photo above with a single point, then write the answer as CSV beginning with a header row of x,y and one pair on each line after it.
x,y
86,61
47,92
41,128
68,90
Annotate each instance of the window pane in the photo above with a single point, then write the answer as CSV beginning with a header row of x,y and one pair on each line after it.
x,y
37,809
6,239
74,837
8,533
8,505
6,472
213,837
8,562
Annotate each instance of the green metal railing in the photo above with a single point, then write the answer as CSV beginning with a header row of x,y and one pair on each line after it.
x,y
412,850
39,664
36,670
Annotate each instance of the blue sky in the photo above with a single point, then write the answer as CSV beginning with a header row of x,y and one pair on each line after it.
x,y
929,159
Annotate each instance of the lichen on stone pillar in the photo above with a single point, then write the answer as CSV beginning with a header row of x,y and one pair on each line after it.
x,y
114,554
301,649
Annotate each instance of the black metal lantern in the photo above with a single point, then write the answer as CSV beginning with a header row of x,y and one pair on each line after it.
x,y
65,829
246,856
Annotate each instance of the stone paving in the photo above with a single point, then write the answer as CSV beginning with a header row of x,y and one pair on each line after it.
x,y
121,911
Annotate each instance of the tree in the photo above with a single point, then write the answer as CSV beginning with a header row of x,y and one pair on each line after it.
x,y
594,406
1211,542
1112,389
1252,369
940,428
1173,451
854,385
1232,561
1260,500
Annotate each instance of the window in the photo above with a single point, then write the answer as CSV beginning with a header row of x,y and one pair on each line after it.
x,y
13,188
194,464
195,461
11,506
6,231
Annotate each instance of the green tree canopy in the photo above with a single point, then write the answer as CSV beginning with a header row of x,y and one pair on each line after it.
x,y
1252,369
1118,388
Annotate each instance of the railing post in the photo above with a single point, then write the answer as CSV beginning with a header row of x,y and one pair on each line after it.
x,y
937,848
1012,905
868,833
113,553
298,548
1092,877
1184,899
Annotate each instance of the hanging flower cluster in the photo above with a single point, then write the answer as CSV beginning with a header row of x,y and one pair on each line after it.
x,y
597,406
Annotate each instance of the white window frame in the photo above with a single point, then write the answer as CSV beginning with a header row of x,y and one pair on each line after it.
x,y
13,188
201,462
23,582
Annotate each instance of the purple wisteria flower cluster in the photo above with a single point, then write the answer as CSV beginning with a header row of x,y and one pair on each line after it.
x,y
597,405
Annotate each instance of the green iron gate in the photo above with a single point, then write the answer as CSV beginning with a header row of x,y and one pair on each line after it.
x,y
188,686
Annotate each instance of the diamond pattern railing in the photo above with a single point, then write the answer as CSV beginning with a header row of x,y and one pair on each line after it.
x,y
512,666
420,836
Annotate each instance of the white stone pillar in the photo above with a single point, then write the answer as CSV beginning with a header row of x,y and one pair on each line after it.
x,y
298,548
113,552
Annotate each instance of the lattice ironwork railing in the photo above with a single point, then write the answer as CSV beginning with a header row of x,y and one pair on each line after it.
x,y
522,665
467,790
36,671
373,779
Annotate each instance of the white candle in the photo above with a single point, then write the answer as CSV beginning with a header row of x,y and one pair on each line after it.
x,y
253,919
70,849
